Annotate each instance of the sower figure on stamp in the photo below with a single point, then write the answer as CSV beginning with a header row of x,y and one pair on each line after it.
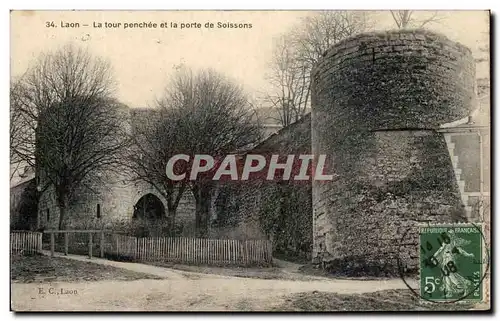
x,y
453,281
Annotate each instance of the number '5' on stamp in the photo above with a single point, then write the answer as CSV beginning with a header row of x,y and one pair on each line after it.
x,y
451,262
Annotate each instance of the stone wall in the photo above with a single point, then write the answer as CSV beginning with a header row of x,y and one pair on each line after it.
x,y
23,205
276,210
377,100
403,79
116,193
116,199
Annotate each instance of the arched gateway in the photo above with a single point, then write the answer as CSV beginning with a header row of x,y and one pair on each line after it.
x,y
149,207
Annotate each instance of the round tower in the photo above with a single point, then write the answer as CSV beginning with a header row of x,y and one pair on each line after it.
x,y
378,101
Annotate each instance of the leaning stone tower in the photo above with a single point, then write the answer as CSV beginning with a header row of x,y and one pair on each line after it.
x,y
377,102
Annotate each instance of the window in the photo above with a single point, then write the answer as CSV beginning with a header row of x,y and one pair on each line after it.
x,y
48,215
98,210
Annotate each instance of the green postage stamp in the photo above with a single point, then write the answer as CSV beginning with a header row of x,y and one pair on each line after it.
x,y
453,262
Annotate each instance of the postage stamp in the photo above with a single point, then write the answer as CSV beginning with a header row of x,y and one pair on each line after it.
x,y
453,262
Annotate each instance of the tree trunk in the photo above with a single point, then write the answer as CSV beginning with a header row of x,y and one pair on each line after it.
x,y
62,204
173,200
203,201
62,214
171,220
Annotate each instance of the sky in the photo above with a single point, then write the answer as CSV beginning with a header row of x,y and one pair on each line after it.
x,y
143,59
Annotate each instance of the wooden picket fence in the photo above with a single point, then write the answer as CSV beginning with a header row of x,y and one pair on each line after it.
x,y
192,250
155,249
25,242
123,246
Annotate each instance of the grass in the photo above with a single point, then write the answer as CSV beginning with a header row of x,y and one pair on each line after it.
x,y
311,270
388,300
291,258
40,268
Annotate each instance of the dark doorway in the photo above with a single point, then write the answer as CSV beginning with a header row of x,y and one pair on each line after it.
x,y
149,207
26,211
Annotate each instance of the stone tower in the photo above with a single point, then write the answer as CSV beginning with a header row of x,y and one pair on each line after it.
x,y
377,102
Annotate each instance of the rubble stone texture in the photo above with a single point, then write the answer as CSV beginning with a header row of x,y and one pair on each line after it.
x,y
377,100
115,193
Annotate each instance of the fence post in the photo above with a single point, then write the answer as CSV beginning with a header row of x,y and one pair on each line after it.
x,y
52,244
136,253
40,235
269,251
117,249
90,245
66,243
243,252
101,245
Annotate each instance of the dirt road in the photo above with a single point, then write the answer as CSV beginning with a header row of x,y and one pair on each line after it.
x,y
180,291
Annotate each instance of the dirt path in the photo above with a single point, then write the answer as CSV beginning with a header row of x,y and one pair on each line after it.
x,y
180,291
287,266
136,267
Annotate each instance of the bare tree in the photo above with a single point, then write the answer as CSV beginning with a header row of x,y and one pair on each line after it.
x,y
155,140
298,51
67,95
323,29
406,18
289,79
22,135
483,63
211,115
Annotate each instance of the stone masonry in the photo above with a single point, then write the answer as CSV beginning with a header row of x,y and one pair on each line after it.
x,y
377,102
116,195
